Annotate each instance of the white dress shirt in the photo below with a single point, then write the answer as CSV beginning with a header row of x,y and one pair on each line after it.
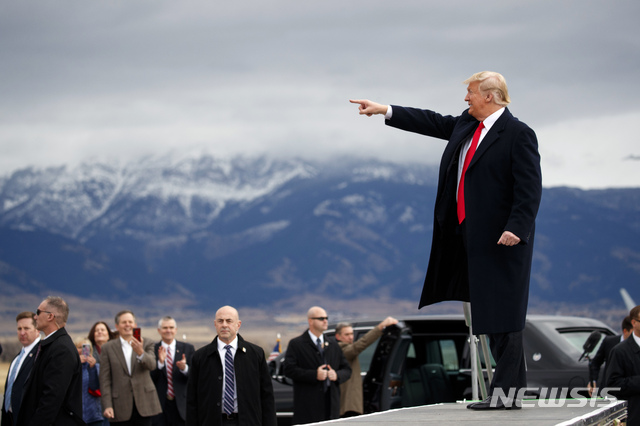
x,y
171,347
18,365
488,123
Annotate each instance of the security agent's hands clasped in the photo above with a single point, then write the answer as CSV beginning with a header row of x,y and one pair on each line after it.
x,y
369,108
325,371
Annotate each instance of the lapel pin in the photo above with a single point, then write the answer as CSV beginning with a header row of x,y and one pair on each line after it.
x,y
244,349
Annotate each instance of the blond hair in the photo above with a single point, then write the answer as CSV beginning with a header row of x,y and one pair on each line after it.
x,y
492,82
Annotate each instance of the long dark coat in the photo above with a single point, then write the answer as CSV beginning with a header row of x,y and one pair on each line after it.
x,y
256,403
623,371
301,364
503,187
53,391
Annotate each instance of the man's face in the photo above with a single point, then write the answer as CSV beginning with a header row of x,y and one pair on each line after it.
x,y
636,326
27,332
227,324
318,321
345,335
45,314
168,331
477,101
125,326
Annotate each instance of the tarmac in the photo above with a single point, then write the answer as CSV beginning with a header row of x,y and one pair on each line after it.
x,y
538,413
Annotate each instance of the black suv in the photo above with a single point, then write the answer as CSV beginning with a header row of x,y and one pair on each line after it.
x,y
426,359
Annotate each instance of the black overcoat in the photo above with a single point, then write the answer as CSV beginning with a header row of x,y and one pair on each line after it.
x,y
53,391
256,403
503,187
301,364
623,371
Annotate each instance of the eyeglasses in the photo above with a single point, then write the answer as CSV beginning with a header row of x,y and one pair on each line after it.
x,y
38,312
320,318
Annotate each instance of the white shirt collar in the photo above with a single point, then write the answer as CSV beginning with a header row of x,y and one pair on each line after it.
x,y
491,120
234,344
636,337
171,345
28,348
49,335
315,338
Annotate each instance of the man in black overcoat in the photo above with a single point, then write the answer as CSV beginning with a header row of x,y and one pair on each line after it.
x,y
623,370
596,377
489,190
317,367
252,401
53,391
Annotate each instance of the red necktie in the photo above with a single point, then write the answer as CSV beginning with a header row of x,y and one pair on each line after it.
x,y
467,160
169,366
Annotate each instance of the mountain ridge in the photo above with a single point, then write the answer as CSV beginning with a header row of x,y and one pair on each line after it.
x,y
259,231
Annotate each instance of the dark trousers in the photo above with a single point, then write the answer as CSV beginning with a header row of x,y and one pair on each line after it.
x,y
136,419
170,415
508,351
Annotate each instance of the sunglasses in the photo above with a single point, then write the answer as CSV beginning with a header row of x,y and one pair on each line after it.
x,y
320,318
38,312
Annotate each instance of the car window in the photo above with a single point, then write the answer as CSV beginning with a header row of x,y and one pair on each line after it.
x,y
578,338
449,355
427,350
366,356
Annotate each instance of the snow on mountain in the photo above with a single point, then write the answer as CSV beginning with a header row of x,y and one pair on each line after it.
x,y
68,201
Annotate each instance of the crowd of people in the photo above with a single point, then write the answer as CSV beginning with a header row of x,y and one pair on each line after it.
x,y
116,376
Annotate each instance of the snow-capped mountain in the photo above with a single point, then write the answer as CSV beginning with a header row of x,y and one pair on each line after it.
x,y
250,231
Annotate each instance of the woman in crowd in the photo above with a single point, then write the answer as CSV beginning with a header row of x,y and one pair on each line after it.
x,y
91,408
99,334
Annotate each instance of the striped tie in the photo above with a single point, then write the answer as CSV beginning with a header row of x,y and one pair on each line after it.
x,y
229,381
169,365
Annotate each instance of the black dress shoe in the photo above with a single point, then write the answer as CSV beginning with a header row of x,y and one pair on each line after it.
x,y
498,404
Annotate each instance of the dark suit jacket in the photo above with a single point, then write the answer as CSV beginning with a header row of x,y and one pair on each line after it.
x,y
53,391
503,187
601,357
119,389
301,364
159,377
256,403
623,371
18,386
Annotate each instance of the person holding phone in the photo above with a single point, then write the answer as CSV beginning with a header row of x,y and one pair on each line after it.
x,y
91,408
125,366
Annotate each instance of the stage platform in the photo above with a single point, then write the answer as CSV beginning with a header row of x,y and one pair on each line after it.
x,y
540,413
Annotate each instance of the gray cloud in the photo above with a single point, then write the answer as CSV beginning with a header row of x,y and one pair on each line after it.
x,y
121,79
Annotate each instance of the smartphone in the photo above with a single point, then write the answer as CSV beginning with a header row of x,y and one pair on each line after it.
x,y
86,349
136,333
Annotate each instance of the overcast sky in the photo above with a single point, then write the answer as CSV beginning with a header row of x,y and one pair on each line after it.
x,y
109,79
